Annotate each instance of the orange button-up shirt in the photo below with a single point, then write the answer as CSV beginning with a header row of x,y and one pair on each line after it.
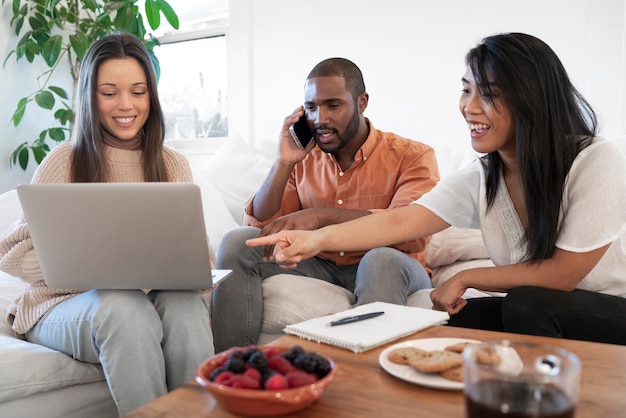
x,y
388,172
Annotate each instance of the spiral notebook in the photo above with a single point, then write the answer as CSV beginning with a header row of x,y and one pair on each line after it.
x,y
397,321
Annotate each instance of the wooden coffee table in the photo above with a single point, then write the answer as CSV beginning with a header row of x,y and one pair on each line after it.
x,y
363,389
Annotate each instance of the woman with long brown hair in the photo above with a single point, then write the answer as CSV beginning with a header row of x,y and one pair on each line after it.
x,y
147,342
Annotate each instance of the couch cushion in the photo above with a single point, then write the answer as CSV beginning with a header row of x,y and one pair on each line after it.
x,y
237,171
218,219
10,287
30,368
455,244
27,368
289,299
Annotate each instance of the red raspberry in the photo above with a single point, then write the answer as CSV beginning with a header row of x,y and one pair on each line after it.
x,y
299,378
271,351
280,364
276,382
242,381
224,378
253,373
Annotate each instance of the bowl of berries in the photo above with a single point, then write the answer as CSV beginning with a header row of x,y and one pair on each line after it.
x,y
266,381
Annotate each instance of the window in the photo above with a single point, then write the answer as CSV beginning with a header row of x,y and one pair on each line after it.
x,y
193,83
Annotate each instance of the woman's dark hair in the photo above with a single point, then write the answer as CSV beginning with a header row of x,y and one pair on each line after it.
x,y
553,123
87,161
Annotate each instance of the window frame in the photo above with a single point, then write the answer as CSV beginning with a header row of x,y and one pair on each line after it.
x,y
196,146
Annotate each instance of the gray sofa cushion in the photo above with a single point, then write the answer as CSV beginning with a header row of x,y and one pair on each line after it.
x,y
30,368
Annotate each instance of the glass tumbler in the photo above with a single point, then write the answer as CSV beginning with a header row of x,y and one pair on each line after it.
x,y
507,379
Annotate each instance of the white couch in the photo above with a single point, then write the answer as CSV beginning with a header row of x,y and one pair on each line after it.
x,y
37,381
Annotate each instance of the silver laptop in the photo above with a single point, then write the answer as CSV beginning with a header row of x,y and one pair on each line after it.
x,y
119,235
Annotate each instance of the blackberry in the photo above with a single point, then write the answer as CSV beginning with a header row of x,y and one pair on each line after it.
x,y
237,353
312,362
216,372
235,364
293,353
249,352
258,360
323,367
307,362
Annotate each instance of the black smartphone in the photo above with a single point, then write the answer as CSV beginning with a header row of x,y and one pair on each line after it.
x,y
301,133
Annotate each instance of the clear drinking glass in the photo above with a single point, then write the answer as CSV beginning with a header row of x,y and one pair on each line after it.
x,y
520,379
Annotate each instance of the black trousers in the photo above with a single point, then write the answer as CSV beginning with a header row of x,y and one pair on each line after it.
x,y
579,314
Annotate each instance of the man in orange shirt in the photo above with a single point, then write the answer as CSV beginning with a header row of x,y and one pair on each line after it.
x,y
348,170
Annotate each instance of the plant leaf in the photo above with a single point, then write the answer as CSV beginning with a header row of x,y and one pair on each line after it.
x,y
35,24
57,134
90,5
16,152
30,57
45,99
63,116
32,47
15,7
42,20
24,39
140,29
169,13
41,37
52,50
153,14
23,158
59,92
124,19
19,24
7,58
19,112
39,153
80,44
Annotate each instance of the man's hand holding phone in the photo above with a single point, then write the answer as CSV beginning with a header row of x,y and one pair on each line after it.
x,y
296,138
301,133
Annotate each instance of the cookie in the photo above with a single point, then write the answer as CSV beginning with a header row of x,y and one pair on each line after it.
x,y
436,361
405,354
459,347
487,355
455,374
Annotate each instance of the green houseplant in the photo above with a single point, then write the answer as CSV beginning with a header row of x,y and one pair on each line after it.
x,y
56,30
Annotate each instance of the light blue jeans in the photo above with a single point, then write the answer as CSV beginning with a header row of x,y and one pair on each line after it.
x,y
146,344
384,274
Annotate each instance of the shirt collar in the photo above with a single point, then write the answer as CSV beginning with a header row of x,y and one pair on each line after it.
x,y
368,146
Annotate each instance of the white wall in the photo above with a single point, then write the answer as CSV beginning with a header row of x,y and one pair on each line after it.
x,y
411,54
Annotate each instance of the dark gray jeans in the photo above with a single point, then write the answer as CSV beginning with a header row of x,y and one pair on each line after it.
x,y
384,274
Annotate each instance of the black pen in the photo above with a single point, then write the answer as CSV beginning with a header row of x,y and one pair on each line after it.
x,y
356,318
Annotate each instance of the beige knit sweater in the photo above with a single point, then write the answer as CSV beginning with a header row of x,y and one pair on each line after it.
x,y
17,255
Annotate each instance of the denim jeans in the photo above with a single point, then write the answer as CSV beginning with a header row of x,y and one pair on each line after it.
x,y
579,314
146,344
384,274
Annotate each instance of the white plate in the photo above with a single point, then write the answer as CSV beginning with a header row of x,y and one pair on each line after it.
x,y
410,374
